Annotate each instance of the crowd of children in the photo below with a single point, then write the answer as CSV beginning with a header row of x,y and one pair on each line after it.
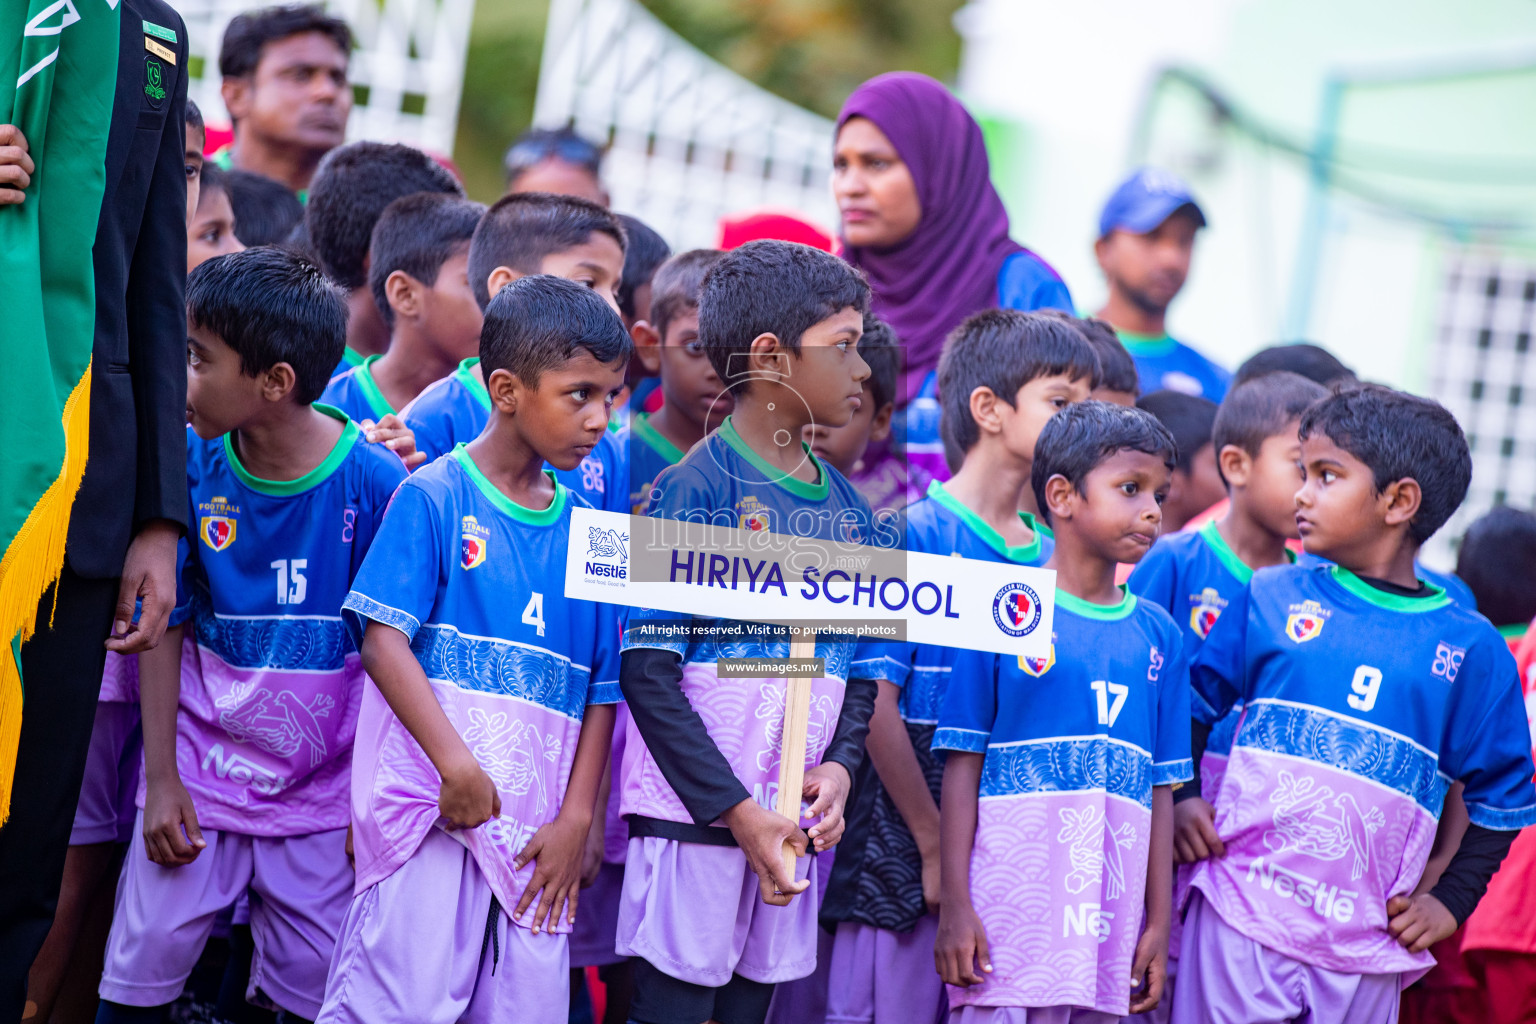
x,y
1266,765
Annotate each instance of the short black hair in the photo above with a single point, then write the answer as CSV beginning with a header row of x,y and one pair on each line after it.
x,y
537,323
1117,369
1310,361
1004,349
1189,418
415,235
265,210
882,351
1076,440
519,230
250,32
1399,436
1261,407
644,251
213,179
272,306
1501,540
771,287
194,116
675,288
536,145
351,188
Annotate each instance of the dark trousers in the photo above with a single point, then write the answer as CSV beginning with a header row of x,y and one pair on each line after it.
x,y
61,678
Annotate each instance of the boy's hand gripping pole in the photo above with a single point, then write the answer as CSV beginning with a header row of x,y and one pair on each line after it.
x,y
797,714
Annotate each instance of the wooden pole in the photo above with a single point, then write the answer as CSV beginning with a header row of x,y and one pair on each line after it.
x,y
797,714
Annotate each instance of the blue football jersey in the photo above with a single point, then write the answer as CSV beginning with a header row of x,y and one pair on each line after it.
x,y
1073,744
722,481
1360,708
647,453
888,879
270,682
455,410
355,393
1165,364
476,582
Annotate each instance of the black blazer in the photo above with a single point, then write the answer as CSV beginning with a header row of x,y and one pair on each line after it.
x,y
137,468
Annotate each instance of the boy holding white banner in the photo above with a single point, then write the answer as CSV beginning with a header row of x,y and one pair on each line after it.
x,y
781,325
1057,782
1003,375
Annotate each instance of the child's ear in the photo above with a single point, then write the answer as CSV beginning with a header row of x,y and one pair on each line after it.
x,y
647,346
277,382
880,427
1400,501
403,293
505,390
1060,497
984,411
766,356
499,279
1235,464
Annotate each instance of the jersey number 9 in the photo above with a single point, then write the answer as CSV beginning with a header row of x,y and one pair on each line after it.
x,y
1366,684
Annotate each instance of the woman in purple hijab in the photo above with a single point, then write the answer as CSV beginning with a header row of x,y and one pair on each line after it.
x,y
921,219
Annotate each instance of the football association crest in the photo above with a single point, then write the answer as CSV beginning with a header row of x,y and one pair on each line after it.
x,y
1303,626
218,532
472,542
1038,667
1016,610
1205,608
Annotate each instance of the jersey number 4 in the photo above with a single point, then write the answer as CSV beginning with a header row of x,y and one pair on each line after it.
x,y
291,584
533,615
1109,710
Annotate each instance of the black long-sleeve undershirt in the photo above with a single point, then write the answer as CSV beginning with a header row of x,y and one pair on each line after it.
x,y
1466,877
693,766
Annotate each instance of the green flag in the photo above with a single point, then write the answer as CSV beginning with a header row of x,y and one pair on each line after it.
x,y
58,72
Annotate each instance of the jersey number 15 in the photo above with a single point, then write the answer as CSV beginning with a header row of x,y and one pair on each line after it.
x,y
291,584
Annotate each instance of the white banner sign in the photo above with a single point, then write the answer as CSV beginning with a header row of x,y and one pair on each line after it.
x,y
719,571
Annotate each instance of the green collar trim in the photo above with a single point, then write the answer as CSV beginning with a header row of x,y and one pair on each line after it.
x,y
363,374
468,374
1089,610
641,427
1228,558
1147,344
350,357
817,491
350,432
1514,631
1434,597
1021,553
523,514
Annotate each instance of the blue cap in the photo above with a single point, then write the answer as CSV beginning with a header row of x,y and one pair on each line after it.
x,y
1146,199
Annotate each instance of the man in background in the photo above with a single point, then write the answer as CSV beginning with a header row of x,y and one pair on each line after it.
x,y
556,160
1146,239
286,89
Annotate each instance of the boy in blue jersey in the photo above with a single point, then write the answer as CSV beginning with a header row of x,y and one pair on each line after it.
x,y
1003,375
1057,816
1194,575
418,274
484,737
694,400
523,234
709,914
1366,693
248,725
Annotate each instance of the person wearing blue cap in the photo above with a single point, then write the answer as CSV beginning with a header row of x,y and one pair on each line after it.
x,y
1146,239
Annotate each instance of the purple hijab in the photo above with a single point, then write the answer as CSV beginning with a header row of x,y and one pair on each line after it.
x,y
946,269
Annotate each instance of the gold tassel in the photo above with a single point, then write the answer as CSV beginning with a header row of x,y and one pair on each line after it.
x,y
31,565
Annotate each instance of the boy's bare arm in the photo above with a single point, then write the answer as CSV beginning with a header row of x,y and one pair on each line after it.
x,y
558,845
468,797
1149,969
890,751
961,946
171,834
